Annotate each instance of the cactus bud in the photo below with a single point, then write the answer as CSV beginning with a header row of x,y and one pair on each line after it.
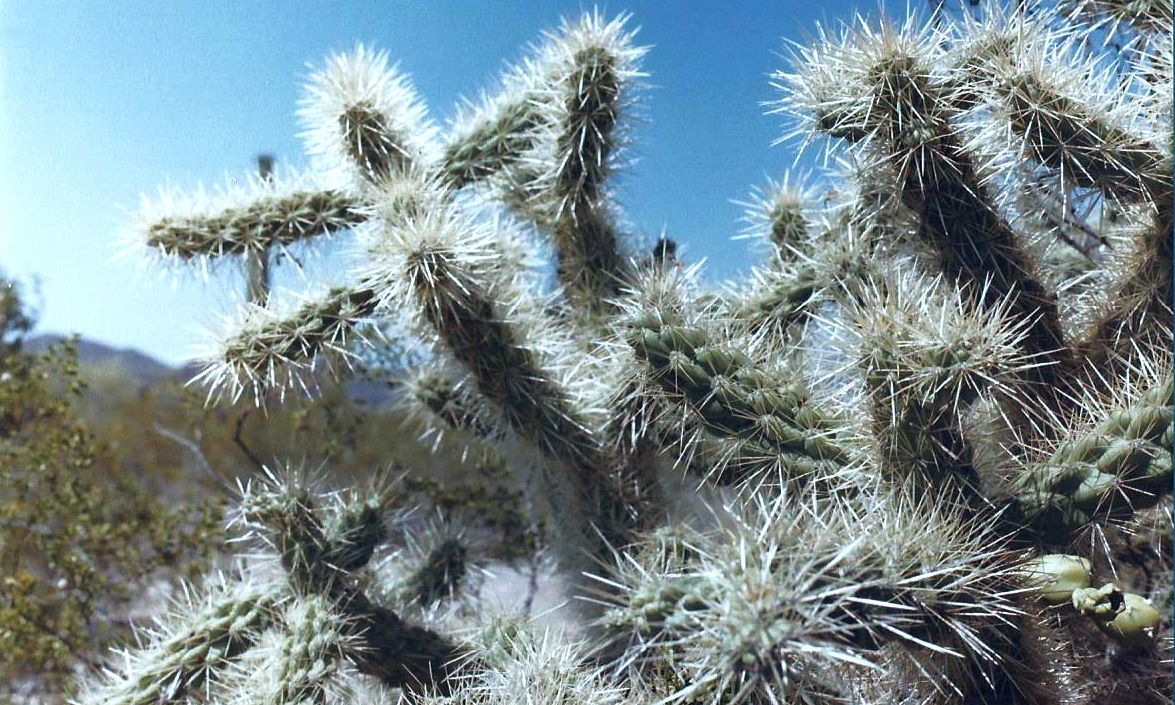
x,y
1129,619
1057,576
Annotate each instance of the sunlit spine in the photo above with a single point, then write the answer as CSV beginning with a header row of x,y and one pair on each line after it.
x,y
363,118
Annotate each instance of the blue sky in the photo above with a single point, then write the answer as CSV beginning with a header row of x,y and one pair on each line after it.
x,y
102,101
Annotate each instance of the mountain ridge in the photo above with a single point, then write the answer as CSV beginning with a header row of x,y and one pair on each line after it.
x,y
147,370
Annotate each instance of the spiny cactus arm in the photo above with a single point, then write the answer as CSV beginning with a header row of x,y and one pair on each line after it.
x,y
549,141
444,398
317,562
645,420
501,133
1137,311
470,316
265,214
590,66
1065,117
444,403
478,316
302,668
494,136
635,429
735,398
1059,120
826,254
1120,465
497,139
779,292
928,355
283,513
780,214
209,632
651,589
904,547
439,563
1060,113
529,664
442,572
285,516
900,111
592,273
789,592
362,117
1147,17
777,297
355,530
267,350
399,654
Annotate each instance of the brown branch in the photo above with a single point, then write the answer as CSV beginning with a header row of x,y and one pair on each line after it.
x,y
241,442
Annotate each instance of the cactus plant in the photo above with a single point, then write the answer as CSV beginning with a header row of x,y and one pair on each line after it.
x,y
887,467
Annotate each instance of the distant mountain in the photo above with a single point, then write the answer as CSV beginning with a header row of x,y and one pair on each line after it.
x,y
139,366
146,370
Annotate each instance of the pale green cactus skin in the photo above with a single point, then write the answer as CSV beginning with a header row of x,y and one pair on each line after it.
x,y
1121,465
892,465
1058,576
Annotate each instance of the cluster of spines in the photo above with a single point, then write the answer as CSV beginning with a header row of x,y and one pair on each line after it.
x,y
1146,17
792,590
895,104
905,99
269,221
245,216
438,565
205,632
320,559
927,356
511,353
362,117
266,346
548,142
526,665
309,656
1040,96
443,404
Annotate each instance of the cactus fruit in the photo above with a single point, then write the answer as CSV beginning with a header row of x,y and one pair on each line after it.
x,y
1059,576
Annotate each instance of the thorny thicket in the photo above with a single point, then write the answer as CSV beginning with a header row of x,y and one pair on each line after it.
x,y
922,455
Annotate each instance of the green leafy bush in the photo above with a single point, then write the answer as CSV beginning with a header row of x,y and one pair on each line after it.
x,y
83,535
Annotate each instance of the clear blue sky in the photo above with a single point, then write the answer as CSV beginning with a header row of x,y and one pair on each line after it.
x,y
101,101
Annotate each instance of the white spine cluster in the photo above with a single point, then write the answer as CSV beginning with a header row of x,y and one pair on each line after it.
x,y
363,118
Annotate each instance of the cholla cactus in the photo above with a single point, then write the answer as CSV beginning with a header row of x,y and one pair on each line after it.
x,y
909,460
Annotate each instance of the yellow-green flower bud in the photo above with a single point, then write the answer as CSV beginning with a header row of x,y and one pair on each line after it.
x,y
1135,626
1058,575
1131,620
1096,602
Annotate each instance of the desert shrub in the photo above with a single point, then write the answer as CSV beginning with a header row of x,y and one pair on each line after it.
x,y
83,537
